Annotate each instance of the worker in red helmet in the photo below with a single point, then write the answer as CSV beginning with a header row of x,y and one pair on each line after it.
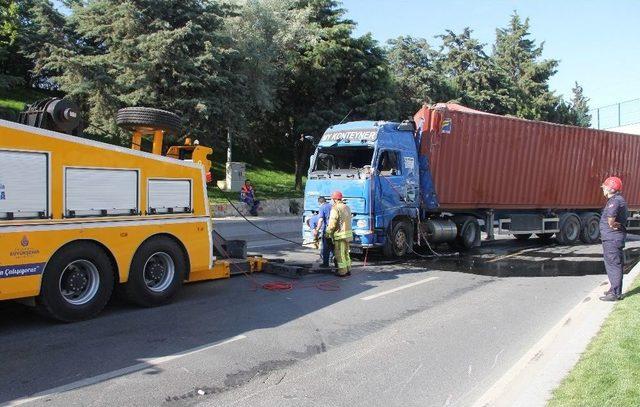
x,y
339,229
613,233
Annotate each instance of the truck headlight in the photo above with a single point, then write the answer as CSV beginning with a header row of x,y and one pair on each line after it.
x,y
362,223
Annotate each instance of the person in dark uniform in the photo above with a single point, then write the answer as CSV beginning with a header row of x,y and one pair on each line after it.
x,y
613,233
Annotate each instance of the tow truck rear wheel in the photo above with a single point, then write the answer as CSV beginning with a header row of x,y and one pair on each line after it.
x,y
156,273
76,284
400,242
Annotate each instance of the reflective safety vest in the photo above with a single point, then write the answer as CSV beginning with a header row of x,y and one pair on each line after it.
x,y
339,227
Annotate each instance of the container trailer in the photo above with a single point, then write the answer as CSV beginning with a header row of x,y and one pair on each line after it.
x,y
453,172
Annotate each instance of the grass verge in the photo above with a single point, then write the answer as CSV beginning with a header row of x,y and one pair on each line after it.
x,y
17,98
608,373
270,178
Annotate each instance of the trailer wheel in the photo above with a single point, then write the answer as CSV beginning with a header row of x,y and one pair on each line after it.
x,y
77,283
156,273
590,232
522,236
400,242
569,226
468,233
146,118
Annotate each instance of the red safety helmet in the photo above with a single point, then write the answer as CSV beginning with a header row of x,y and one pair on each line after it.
x,y
336,195
613,183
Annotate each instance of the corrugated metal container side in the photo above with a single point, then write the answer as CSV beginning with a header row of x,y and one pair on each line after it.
x,y
492,161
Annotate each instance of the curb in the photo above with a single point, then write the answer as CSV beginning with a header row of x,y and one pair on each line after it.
x,y
532,379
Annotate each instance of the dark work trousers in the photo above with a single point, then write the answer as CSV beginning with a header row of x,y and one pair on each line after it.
x,y
326,251
613,253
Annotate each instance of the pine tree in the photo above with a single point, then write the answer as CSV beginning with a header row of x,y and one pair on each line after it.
x,y
523,73
162,53
417,79
580,107
469,72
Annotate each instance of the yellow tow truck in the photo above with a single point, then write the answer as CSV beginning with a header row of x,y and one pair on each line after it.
x,y
80,218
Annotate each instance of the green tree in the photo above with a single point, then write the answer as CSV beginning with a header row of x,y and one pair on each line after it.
x,y
580,107
162,53
524,74
470,73
416,76
9,29
334,77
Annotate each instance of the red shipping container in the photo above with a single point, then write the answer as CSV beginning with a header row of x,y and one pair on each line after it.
x,y
481,160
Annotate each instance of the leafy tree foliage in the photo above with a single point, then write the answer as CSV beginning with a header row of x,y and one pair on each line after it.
x,y
265,70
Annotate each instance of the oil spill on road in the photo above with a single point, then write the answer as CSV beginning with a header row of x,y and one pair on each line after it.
x,y
533,263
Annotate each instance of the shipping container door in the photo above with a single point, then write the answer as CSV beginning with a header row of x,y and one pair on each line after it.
x,y
100,192
24,178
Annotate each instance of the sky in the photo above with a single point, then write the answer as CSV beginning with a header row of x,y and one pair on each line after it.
x,y
597,42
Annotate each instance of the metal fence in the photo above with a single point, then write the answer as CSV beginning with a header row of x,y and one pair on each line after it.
x,y
619,114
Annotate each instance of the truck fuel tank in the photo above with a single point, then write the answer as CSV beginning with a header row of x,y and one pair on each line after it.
x,y
439,230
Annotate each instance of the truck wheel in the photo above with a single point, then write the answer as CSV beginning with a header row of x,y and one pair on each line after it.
x,y
146,118
156,273
569,226
468,233
590,232
77,283
400,242
522,236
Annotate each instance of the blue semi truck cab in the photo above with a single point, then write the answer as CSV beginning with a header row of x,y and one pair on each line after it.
x,y
383,180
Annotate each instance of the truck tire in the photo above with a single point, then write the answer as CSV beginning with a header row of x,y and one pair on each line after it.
x,y
468,233
76,284
590,232
156,273
136,118
570,227
522,236
399,243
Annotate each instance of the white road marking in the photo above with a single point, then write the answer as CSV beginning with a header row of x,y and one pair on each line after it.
x,y
146,364
402,287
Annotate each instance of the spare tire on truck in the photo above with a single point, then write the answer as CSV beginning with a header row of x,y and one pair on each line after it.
x,y
468,233
147,119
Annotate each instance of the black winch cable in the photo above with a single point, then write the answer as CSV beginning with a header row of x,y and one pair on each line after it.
x,y
256,226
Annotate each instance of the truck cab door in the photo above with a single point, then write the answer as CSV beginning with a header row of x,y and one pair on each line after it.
x,y
391,182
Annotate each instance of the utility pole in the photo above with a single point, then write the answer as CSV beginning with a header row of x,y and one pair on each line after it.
x,y
228,145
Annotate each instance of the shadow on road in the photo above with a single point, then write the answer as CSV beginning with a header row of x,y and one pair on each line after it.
x,y
38,354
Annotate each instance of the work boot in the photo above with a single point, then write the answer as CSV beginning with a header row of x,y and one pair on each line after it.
x,y
324,266
611,297
347,274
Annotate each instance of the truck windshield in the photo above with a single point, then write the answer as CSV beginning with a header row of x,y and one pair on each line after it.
x,y
343,158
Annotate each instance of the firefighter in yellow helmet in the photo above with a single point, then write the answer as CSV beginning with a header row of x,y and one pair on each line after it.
x,y
339,229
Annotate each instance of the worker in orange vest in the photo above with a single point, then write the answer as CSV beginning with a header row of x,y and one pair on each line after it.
x,y
247,195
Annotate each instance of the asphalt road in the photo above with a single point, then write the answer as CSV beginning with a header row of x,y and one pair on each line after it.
x,y
426,332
